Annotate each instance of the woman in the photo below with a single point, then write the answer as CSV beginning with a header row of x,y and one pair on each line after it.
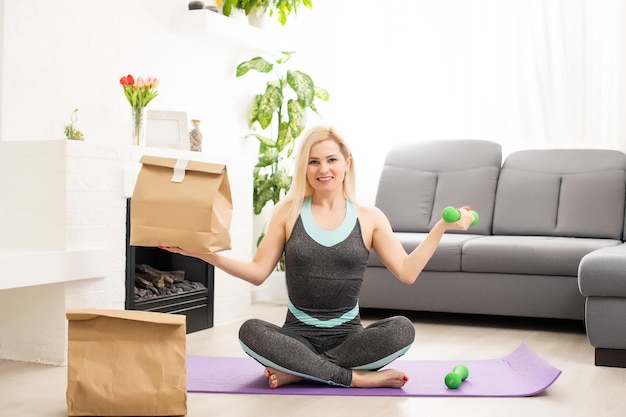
x,y
326,238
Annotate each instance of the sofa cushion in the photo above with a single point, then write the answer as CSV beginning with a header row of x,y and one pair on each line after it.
x,y
406,197
447,257
419,179
562,192
541,255
602,273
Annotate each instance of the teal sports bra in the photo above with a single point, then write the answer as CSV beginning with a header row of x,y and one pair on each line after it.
x,y
328,237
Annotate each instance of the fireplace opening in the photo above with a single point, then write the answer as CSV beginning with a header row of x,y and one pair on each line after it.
x,y
165,282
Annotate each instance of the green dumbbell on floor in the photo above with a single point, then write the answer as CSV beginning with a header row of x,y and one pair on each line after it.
x,y
454,379
451,214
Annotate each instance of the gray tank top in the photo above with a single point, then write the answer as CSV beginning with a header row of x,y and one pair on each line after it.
x,y
323,282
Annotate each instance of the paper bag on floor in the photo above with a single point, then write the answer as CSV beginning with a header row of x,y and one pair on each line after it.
x,y
126,363
181,203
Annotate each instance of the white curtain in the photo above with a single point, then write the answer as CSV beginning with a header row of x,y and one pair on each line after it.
x,y
524,73
565,88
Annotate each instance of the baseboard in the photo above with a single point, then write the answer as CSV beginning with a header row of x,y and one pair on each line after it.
x,y
611,357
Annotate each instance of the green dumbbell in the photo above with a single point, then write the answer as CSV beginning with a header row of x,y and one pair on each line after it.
x,y
459,374
451,214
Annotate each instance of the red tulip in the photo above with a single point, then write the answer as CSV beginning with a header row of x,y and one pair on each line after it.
x,y
128,80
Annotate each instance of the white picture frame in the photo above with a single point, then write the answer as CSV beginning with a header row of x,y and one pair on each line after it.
x,y
167,129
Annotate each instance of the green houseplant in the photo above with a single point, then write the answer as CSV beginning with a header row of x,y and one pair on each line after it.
x,y
71,132
280,8
277,118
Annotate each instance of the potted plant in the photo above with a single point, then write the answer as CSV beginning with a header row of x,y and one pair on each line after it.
x,y
278,117
71,132
243,5
280,8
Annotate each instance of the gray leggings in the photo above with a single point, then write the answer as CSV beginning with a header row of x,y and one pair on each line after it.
x,y
287,350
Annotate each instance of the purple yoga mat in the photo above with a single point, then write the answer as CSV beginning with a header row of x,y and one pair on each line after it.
x,y
522,373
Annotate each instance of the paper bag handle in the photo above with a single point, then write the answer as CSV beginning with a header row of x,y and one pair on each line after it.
x,y
179,170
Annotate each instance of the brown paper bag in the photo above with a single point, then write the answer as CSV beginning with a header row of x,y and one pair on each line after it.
x,y
181,203
126,363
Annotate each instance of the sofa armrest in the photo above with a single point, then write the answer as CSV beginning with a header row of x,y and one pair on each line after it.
x,y
602,273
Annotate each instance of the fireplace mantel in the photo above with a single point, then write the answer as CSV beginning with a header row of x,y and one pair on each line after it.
x,y
52,267
63,222
58,198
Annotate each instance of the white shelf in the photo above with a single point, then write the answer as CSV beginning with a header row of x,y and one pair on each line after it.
x,y
228,31
25,269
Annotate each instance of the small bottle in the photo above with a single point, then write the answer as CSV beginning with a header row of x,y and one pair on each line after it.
x,y
195,136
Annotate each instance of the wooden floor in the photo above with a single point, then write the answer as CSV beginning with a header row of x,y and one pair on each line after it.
x,y
582,389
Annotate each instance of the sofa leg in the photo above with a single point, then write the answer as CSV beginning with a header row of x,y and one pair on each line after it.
x,y
611,357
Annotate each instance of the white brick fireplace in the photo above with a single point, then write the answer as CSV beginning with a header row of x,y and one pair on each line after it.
x,y
63,228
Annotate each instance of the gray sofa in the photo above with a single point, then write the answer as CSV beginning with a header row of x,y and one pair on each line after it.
x,y
541,213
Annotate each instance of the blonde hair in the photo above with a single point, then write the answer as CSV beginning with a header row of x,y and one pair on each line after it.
x,y
300,188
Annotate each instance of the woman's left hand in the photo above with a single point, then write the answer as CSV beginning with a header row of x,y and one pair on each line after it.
x,y
463,223
178,250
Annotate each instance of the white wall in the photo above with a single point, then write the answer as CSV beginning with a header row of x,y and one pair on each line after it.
x,y
71,54
541,73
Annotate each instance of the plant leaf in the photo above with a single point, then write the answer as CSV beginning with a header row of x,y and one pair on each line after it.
x,y
321,93
257,64
285,56
297,118
258,241
227,8
267,159
314,108
282,180
261,195
302,85
265,141
283,136
267,104
254,112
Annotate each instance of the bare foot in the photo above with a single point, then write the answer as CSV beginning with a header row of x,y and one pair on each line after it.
x,y
389,378
277,378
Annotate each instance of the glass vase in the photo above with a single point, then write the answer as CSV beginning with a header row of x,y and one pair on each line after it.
x,y
139,126
195,136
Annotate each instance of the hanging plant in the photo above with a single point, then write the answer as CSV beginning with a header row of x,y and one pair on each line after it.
x,y
279,8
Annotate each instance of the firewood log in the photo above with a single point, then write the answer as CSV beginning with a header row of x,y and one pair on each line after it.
x,y
142,283
156,281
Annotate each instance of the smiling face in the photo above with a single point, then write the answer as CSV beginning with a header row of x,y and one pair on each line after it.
x,y
327,166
